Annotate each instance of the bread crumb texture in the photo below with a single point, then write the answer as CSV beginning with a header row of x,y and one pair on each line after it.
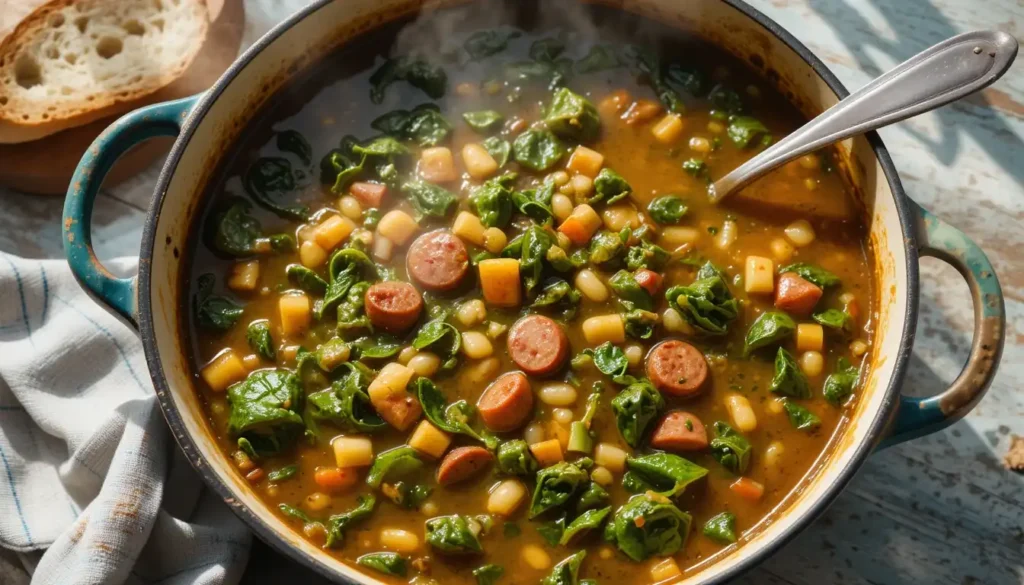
x,y
71,57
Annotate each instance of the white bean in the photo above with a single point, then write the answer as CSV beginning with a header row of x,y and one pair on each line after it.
x,y
741,413
558,394
812,363
800,232
562,416
534,434
591,286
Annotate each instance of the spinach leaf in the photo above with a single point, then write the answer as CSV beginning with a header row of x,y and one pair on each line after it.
x,y
647,255
721,528
789,380
537,150
611,361
606,249
556,485
730,449
532,250
492,201
499,149
269,181
667,209
388,563
635,408
454,534
214,312
265,410
639,324
431,79
609,187
510,529
801,418
769,328
342,165
546,50
599,58
485,43
346,267
630,294
338,524
690,79
347,402
554,73
725,100
260,341
648,525
292,141
696,167
488,574
443,338
572,117
236,231
706,304
394,462
286,472
453,418
743,130
352,310
594,496
552,531
646,62
663,473
306,279
583,524
811,273
536,203
559,297
408,496
423,125
383,146
835,319
289,510
839,384
282,243
428,199
483,120
514,458
566,572
377,348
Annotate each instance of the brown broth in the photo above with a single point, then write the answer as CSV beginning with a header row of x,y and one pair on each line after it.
x,y
331,100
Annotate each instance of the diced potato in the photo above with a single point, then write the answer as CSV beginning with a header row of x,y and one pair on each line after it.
x,y
499,280
669,129
382,248
601,476
392,380
397,226
223,371
430,440
810,337
597,330
547,452
759,276
619,216
611,457
581,224
294,309
437,165
352,451
665,569
585,161
469,227
312,255
244,276
506,497
675,236
476,345
479,163
536,557
333,231
400,541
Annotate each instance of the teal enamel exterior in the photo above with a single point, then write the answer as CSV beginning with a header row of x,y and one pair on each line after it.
x,y
116,294
916,417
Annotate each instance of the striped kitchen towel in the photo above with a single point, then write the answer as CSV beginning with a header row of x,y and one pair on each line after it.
x,y
88,469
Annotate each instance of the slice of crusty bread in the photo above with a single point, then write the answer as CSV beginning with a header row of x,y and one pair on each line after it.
x,y
70,62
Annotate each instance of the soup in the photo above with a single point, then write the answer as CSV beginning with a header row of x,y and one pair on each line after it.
x,y
469,317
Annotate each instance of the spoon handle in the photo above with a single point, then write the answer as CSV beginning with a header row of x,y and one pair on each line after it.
x,y
941,74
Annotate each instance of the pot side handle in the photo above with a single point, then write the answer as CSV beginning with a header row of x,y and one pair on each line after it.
x,y
921,416
117,294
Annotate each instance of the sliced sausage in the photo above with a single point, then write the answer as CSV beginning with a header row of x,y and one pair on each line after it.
x,y
399,410
680,431
507,403
393,306
462,463
648,280
795,295
368,194
677,368
537,345
437,260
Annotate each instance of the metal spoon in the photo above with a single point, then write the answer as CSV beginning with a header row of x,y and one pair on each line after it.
x,y
941,74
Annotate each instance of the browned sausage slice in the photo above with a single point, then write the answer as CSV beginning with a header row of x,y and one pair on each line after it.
x,y
393,306
794,294
680,431
677,368
399,410
507,403
369,194
537,345
649,280
437,260
462,463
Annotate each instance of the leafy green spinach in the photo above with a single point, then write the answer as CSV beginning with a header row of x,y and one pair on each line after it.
x,y
453,418
839,384
265,411
236,230
423,125
743,130
214,312
431,79
630,294
485,43
706,304
769,328
395,462
537,150
556,485
730,449
721,528
514,458
840,321
572,117
488,574
789,380
428,199
567,571
454,534
492,201
811,273
388,563
260,340
269,181
662,473
647,525
483,120
558,296
635,408
800,417
667,209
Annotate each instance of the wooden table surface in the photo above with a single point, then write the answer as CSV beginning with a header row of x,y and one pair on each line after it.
x,y
937,510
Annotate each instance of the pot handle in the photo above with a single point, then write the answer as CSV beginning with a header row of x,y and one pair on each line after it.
x,y
117,294
921,416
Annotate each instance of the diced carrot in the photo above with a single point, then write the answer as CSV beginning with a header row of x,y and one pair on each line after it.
x,y
547,452
615,103
573,228
335,479
747,488
368,194
255,475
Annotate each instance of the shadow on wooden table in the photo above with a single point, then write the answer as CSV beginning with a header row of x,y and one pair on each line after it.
x,y
974,115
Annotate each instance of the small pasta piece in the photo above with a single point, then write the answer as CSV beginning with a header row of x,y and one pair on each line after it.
x,y
741,413
476,345
506,497
589,283
223,371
